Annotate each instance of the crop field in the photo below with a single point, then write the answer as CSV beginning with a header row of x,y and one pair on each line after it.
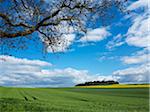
x,y
118,86
74,99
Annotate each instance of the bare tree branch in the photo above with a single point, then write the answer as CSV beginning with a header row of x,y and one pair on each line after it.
x,y
21,18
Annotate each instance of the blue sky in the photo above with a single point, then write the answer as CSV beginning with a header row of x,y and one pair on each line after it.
x,y
119,51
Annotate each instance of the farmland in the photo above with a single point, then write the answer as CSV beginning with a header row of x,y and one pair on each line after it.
x,y
118,86
74,99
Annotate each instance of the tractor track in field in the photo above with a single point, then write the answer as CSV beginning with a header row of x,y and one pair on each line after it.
x,y
25,94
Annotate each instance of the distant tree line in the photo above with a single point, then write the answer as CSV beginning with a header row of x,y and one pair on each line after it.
x,y
98,83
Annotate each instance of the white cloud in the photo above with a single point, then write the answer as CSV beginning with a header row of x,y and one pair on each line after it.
x,y
138,34
63,44
95,35
23,72
13,60
139,74
33,74
115,42
108,58
64,39
68,37
136,59
139,4
133,70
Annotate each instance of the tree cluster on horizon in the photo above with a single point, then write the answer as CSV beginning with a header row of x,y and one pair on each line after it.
x,y
109,82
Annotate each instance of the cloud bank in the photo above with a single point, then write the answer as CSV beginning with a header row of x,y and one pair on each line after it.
x,y
35,73
139,74
137,35
95,35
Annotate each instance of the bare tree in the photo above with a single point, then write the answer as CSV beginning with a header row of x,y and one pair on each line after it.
x,y
51,19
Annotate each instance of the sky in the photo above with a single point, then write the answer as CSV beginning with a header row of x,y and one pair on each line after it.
x,y
119,51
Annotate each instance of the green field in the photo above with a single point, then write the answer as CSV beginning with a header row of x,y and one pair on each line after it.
x,y
74,100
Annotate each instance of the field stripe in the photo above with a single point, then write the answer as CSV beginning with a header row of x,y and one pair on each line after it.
x,y
117,86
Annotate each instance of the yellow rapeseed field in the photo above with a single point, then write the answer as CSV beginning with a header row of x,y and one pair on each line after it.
x,y
118,86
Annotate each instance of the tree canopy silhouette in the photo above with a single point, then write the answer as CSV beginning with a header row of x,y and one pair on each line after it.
x,y
109,82
51,19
